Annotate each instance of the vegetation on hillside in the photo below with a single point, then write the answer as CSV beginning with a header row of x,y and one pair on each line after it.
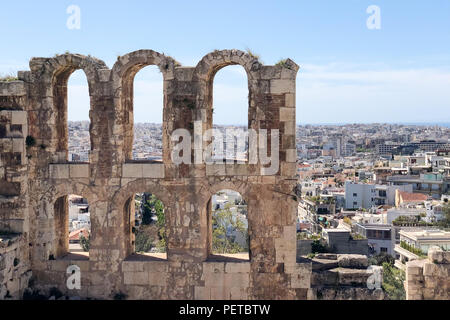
x,y
393,282
225,225
145,238
393,278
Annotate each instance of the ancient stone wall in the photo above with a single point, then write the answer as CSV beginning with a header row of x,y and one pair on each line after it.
x,y
111,178
15,271
429,279
345,277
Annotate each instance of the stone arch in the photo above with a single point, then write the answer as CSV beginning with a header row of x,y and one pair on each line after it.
x,y
80,189
216,60
54,74
119,203
239,186
122,75
206,193
205,72
57,198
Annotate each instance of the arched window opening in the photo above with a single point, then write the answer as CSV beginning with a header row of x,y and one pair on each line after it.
x,y
72,226
78,106
148,103
228,224
147,226
230,112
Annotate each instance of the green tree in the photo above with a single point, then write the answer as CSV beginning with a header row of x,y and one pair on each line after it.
x,y
85,243
147,211
381,258
143,243
393,280
152,206
445,222
318,247
223,223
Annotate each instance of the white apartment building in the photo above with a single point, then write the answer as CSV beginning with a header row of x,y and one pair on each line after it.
x,y
426,239
366,196
359,195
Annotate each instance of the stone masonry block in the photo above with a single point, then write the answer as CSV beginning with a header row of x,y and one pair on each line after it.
x,y
213,267
214,279
12,88
290,100
291,155
132,170
19,117
278,86
215,170
237,267
201,293
157,279
59,171
79,170
132,266
352,261
287,114
153,170
430,269
156,266
137,278
18,145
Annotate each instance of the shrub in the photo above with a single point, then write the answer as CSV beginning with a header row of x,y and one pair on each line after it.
x,y
8,78
412,249
381,258
85,243
283,63
393,280
252,54
318,247
143,242
30,141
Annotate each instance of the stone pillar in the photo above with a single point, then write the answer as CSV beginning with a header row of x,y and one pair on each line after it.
x,y
429,279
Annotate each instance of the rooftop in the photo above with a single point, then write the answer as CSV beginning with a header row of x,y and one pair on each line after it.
x,y
406,196
426,234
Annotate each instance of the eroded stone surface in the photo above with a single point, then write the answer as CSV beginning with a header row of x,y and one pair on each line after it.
x,y
429,279
34,188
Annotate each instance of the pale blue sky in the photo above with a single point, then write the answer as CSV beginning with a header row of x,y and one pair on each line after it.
x,y
400,73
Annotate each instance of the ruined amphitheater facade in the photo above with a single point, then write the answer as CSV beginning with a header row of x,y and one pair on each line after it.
x,y
37,178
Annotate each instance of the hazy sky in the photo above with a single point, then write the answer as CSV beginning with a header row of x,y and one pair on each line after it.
x,y
399,73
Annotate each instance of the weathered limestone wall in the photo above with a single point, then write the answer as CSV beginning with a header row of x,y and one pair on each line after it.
x,y
429,279
15,270
344,277
111,178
